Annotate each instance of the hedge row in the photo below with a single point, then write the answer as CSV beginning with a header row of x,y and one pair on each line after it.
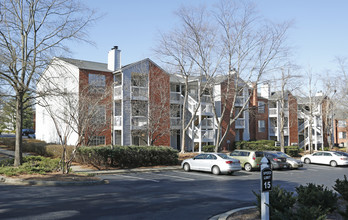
x,y
267,145
127,156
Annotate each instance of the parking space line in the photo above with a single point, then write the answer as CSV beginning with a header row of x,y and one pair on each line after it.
x,y
140,178
184,178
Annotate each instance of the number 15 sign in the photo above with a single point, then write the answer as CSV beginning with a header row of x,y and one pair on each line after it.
x,y
266,178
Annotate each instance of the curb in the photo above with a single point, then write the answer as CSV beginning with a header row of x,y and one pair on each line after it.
x,y
122,171
21,182
224,216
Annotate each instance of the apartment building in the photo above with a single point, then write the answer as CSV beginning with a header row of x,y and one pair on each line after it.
x,y
340,128
145,105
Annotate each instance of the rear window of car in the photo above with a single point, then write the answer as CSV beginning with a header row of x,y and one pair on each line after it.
x,y
339,154
235,153
223,156
244,154
259,154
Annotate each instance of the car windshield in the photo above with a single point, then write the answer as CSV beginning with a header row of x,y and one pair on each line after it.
x,y
281,154
224,156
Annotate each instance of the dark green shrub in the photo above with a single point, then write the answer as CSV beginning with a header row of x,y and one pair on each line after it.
x,y
208,148
31,164
314,195
280,200
341,187
127,156
292,151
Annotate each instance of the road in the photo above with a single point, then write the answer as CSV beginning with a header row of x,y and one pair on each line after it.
x,y
157,195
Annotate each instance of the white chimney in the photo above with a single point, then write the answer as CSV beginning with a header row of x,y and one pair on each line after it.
x,y
265,91
114,59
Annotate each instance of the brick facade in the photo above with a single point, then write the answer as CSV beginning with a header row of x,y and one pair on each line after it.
x,y
293,120
86,98
159,106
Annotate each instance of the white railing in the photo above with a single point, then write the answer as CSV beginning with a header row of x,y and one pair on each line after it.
x,y
272,131
175,122
240,123
118,121
118,92
139,121
139,92
207,123
273,111
192,104
207,108
208,134
176,97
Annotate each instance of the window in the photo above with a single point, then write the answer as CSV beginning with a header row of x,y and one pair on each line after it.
x,y
341,123
118,79
96,83
118,108
97,114
118,137
261,107
342,135
262,125
97,140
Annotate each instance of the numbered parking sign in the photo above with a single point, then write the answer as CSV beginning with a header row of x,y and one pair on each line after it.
x,y
266,177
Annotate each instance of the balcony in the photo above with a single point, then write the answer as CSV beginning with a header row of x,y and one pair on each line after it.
x,y
207,123
240,123
205,98
207,109
118,92
139,93
208,135
176,97
139,122
273,112
118,121
239,101
175,123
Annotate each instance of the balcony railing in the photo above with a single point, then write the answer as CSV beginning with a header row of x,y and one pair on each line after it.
x,y
207,108
118,121
176,97
139,122
208,134
118,92
240,123
139,93
175,122
273,111
207,123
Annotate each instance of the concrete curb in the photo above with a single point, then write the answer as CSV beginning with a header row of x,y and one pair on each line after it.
x,y
21,182
122,171
224,216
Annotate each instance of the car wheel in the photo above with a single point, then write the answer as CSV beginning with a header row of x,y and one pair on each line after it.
x,y
247,167
307,161
333,163
187,167
215,170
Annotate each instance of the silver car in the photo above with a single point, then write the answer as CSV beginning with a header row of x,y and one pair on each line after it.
x,y
212,162
293,163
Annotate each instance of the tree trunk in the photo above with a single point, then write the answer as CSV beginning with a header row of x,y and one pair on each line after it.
x,y
19,124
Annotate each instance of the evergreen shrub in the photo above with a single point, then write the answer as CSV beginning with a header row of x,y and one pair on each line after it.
x,y
127,156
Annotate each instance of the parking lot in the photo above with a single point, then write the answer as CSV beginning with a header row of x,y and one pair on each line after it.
x,y
154,195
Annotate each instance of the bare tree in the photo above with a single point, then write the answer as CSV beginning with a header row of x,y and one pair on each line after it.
x,y
79,113
30,32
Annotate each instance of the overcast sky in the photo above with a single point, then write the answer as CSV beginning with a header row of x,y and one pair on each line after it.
x,y
319,33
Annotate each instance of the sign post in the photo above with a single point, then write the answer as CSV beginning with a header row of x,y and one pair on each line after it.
x,y
266,186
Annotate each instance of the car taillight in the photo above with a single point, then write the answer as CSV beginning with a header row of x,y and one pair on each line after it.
x,y
276,159
254,158
229,162
344,158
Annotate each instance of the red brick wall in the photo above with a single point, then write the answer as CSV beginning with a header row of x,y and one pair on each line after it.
x,y
293,120
261,116
159,105
337,129
107,101
227,98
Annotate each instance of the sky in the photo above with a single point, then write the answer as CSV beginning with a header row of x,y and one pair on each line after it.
x,y
318,35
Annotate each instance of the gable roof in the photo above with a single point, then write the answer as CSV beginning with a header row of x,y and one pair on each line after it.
x,y
89,65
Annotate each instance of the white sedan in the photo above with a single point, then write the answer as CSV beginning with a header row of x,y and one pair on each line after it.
x,y
212,162
326,157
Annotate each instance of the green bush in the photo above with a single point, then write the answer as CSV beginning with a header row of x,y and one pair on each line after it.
x,y
292,151
316,195
31,165
280,201
341,187
208,148
127,156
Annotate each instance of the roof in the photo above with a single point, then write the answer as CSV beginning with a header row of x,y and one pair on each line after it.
x,y
89,65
